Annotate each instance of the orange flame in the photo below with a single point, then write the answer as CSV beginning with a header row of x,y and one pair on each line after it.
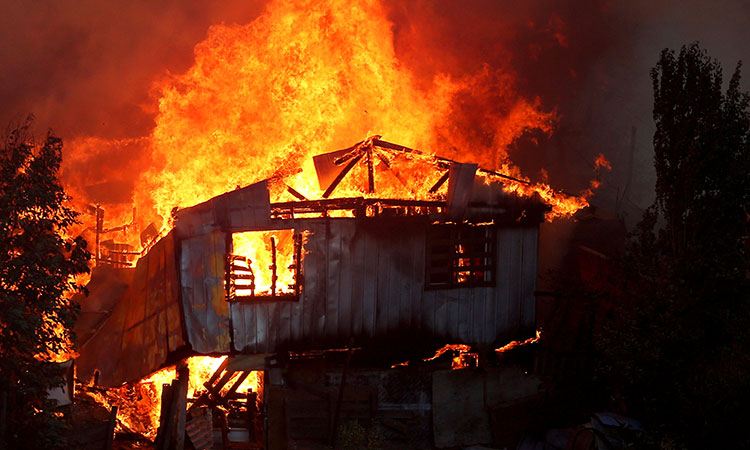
x,y
513,344
602,161
306,78
140,403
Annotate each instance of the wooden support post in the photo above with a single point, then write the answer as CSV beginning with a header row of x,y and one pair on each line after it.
x,y
99,229
168,422
297,264
274,277
110,440
337,411
183,374
167,395
370,172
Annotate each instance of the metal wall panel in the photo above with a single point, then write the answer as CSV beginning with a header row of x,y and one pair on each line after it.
x,y
362,279
144,322
529,277
241,209
203,295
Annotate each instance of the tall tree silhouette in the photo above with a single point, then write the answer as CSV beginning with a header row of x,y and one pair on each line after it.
x,y
38,265
682,357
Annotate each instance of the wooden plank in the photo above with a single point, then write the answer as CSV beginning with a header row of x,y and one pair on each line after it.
x,y
359,269
296,310
275,327
238,327
407,256
173,316
319,295
346,317
181,406
487,321
514,291
333,246
465,305
381,297
529,276
417,280
502,312
167,394
261,323
369,284
393,287
110,436
285,322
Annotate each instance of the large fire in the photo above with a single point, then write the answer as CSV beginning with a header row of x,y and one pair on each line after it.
x,y
139,404
304,78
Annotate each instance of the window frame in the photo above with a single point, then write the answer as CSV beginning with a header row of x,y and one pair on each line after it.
x,y
455,249
234,272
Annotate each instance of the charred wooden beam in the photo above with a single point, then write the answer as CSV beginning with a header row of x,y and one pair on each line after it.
x,y
99,230
501,175
370,172
110,439
341,176
265,298
243,376
340,399
274,276
354,202
167,394
351,152
392,146
442,162
298,278
439,182
295,193
183,374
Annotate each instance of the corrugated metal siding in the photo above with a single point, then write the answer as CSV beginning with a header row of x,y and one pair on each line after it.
x,y
239,209
203,296
364,280
146,322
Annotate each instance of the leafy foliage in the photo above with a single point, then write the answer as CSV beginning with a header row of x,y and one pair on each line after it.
x,y
682,357
38,266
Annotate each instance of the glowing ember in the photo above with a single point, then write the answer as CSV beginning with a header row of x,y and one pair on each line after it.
x,y
513,344
462,356
601,161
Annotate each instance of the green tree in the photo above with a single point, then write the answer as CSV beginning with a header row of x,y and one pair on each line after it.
x,y
38,266
681,357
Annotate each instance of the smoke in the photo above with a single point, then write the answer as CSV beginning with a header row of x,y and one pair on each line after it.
x,y
86,67
87,70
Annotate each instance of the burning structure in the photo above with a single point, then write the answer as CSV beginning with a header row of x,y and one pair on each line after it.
x,y
271,283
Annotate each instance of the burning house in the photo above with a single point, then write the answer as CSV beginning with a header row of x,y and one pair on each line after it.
x,y
283,287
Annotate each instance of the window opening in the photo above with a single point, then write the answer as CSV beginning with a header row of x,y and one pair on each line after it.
x,y
460,256
263,265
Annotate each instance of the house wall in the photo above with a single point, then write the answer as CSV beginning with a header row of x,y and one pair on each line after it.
x,y
365,279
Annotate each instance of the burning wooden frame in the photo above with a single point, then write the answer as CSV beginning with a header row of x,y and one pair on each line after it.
x,y
458,267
